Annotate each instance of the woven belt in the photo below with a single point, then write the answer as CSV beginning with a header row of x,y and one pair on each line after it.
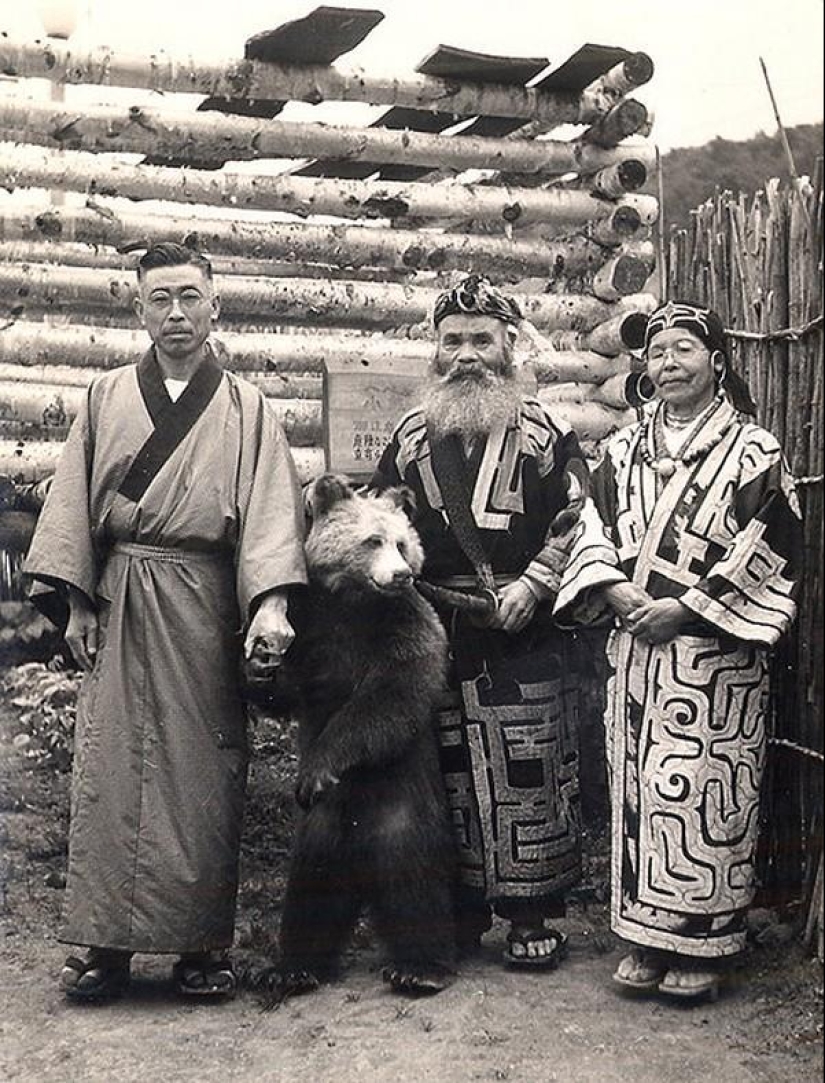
x,y
167,554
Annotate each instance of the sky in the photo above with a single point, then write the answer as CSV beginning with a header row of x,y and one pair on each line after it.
x,y
708,81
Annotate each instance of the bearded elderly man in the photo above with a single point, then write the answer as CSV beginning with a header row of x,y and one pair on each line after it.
x,y
503,511
173,522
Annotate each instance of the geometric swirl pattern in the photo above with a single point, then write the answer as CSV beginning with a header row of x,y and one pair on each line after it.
x,y
511,770
686,826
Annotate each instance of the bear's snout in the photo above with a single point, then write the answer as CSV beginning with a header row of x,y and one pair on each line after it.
x,y
390,570
402,577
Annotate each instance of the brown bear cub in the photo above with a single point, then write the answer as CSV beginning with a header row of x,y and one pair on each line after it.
x,y
369,660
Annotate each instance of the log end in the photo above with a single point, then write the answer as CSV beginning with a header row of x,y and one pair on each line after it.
x,y
632,174
632,330
625,221
638,69
629,275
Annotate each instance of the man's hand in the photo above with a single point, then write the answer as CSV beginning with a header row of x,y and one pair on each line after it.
x,y
82,630
624,598
657,621
269,635
517,604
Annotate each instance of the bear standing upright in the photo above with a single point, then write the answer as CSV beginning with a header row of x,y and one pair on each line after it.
x,y
369,660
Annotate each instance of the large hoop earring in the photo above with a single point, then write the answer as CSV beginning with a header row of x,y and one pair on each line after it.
x,y
720,368
639,389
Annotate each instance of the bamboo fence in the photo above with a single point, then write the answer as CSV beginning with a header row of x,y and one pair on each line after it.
x,y
758,262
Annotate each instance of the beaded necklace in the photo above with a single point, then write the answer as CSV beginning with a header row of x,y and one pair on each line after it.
x,y
692,451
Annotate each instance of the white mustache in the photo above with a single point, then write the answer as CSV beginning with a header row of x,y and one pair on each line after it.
x,y
475,370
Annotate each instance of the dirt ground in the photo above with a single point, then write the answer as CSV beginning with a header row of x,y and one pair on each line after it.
x,y
491,1024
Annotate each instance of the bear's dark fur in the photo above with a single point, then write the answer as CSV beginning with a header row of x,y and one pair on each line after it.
x,y
369,659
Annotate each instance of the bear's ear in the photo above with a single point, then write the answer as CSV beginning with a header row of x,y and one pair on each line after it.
x,y
403,497
324,493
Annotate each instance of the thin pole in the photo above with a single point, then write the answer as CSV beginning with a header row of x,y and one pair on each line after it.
x,y
785,144
660,232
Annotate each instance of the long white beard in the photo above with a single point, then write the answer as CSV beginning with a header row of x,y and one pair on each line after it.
x,y
470,405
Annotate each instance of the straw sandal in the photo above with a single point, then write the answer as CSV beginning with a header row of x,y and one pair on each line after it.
x,y
691,983
102,975
204,977
642,970
538,935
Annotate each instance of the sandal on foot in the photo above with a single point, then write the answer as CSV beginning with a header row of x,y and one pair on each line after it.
x,y
690,983
204,977
101,976
538,935
640,970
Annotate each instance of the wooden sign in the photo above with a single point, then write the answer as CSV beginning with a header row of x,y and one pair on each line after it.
x,y
364,400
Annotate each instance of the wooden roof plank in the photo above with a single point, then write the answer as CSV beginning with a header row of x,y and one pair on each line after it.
x,y
449,62
319,38
418,120
583,67
322,36
576,73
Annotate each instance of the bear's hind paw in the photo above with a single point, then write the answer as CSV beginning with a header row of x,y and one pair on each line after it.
x,y
417,980
278,985
300,981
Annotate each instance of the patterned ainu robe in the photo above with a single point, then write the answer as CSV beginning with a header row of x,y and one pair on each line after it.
x,y
510,745
173,518
686,719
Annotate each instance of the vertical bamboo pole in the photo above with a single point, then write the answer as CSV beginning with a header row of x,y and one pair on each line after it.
x,y
660,229
782,135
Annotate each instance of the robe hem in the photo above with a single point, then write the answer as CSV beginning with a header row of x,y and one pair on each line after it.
x,y
536,889
718,948
185,948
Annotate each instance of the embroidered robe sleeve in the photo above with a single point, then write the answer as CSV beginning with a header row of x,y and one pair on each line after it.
x,y
592,561
750,591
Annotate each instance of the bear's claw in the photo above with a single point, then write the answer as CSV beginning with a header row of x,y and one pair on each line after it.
x,y
278,985
312,785
299,981
416,982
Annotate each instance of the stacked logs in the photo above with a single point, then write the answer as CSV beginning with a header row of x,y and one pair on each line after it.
x,y
350,243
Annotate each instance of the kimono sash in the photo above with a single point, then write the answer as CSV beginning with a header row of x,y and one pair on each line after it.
x,y
172,420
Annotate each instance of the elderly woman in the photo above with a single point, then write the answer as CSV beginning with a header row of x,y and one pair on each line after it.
x,y
703,531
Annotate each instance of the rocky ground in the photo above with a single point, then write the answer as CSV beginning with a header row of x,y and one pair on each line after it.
x,y
491,1024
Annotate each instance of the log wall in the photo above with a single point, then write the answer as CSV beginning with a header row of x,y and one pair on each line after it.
x,y
337,251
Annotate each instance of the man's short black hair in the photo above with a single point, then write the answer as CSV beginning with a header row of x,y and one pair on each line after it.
x,y
171,254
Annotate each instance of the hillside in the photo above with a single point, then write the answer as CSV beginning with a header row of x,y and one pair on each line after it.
x,y
691,174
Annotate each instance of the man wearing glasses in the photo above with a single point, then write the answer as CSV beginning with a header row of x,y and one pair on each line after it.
x,y
172,526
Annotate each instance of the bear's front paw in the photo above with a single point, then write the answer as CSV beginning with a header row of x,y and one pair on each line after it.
x,y
313,783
